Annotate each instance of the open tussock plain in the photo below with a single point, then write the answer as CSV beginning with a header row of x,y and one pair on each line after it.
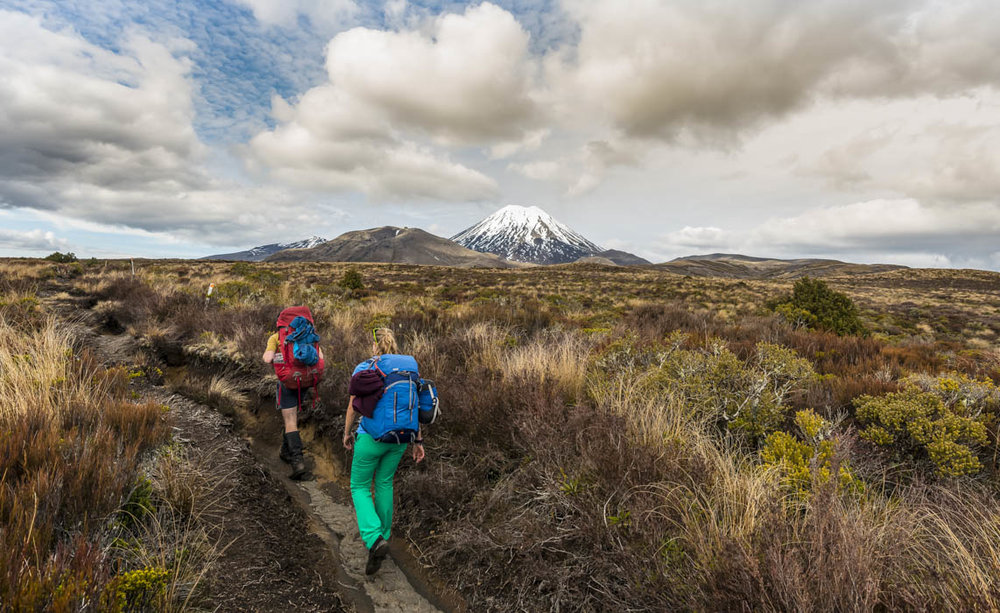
x,y
617,438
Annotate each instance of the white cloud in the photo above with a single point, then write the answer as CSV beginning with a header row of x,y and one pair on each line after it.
x,y
540,170
31,240
393,96
466,79
699,238
531,142
939,151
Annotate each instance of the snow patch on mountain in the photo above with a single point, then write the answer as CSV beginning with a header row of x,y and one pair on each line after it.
x,y
526,234
259,253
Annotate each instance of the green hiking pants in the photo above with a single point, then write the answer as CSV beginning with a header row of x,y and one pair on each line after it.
x,y
374,461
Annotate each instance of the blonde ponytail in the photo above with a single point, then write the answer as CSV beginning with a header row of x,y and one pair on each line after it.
x,y
385,340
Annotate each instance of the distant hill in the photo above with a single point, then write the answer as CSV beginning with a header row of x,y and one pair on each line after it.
x,y
391,244
735,266
622,258
259,254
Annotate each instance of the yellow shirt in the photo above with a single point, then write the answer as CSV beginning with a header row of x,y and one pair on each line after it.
x,y
272,342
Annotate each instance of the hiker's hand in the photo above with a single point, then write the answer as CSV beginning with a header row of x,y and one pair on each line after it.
x,y
348,440
418,452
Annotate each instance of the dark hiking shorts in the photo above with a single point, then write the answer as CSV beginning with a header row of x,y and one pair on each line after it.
x,y
289,399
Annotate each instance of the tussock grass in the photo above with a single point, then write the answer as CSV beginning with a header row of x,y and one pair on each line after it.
x,y
73,440
560,479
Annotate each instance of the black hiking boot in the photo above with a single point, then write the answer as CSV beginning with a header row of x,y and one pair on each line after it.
x,y
299,470
285,454
378,552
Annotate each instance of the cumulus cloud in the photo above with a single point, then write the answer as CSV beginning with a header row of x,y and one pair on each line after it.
x,y
392,96
107,137
31,240
466,79
707,237
713,69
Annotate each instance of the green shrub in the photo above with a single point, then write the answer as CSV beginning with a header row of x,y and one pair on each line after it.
x,y
814,305
747,396
351,280
918,424
256,274
61,258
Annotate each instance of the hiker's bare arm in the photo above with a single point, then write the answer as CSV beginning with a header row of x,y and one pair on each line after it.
x,y
348,424
269,356
418,448
321,353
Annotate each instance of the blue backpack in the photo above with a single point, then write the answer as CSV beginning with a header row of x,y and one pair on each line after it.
x,y
396,418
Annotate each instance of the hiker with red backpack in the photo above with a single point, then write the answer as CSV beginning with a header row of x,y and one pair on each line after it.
x,y
393,401
297,358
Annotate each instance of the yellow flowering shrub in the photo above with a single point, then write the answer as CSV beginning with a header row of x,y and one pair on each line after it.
x,y
919,424
142,589
804,462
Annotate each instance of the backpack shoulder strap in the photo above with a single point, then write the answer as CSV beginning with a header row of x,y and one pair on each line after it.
x,y
373,361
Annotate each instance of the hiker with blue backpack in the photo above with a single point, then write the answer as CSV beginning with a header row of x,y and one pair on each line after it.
x,y
392,401
297,358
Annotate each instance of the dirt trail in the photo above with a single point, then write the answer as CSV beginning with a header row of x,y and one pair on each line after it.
x,y
290,545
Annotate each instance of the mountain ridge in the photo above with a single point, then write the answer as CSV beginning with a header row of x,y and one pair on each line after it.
x,y
262,252
394,245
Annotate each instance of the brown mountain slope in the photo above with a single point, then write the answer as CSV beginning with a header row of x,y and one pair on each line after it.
x,y
745,267
396,245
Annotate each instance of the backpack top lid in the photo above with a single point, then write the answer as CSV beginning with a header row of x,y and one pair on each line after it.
x,y
286,316
389,362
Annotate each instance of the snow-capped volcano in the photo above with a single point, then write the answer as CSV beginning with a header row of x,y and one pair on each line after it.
x,y
526,234
257,254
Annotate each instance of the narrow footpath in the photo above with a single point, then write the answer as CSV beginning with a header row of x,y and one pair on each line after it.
x,y
286,545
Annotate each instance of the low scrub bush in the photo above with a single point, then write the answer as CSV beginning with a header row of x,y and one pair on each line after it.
x,y
813,304
746,396
919,425
808,461
61,258
73,442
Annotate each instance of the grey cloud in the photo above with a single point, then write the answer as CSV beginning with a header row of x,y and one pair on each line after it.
x,y
106,137
713,69
900,230
939,159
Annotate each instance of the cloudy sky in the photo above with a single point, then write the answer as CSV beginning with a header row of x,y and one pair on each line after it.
x,y
865,131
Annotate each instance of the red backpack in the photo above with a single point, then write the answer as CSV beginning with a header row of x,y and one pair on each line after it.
x,y
291,372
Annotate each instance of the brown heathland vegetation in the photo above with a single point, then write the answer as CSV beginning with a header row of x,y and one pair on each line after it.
x,y
613,438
